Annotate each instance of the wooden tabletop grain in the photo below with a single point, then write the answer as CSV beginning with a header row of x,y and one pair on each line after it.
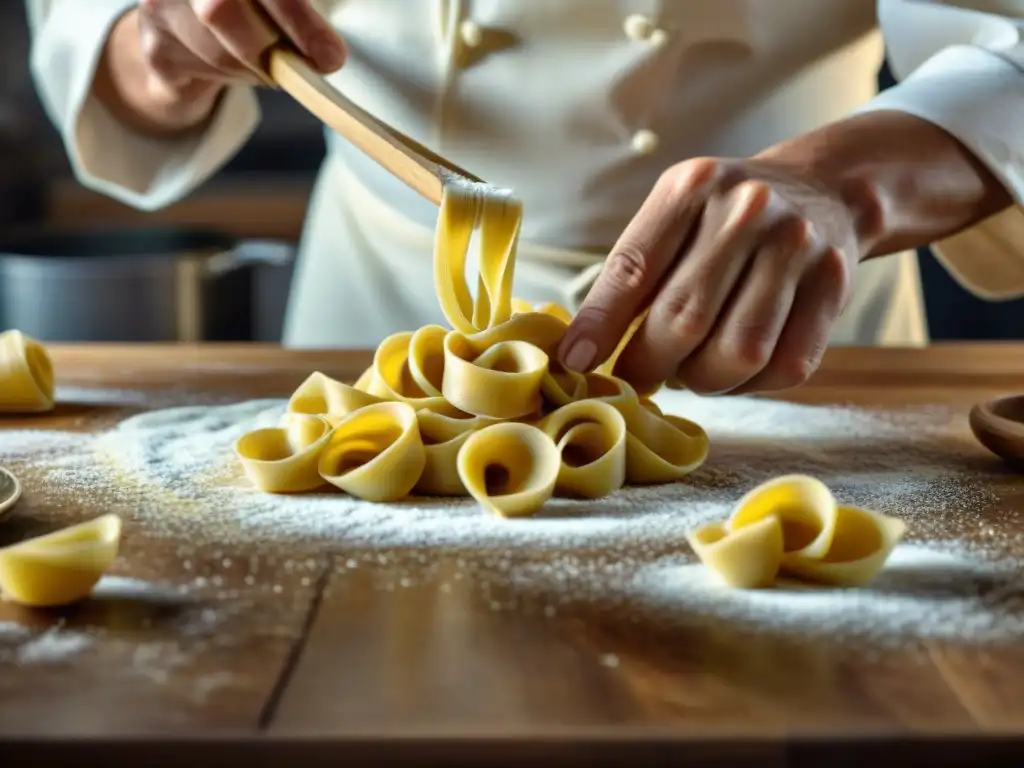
x,y
320,666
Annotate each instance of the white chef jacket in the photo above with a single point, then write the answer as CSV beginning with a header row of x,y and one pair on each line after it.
x,y
578,105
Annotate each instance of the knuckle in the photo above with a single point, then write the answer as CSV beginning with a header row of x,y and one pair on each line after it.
x,y
627,268
750,347
684,179
746,201
797,371
836,273
793,233
685,315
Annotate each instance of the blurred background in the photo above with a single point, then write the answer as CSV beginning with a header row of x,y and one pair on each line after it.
x,y
76,266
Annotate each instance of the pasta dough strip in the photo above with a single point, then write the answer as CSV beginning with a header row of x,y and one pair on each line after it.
x,y
793,525
441,410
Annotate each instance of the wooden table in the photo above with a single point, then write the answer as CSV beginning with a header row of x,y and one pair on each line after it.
x,y
325,668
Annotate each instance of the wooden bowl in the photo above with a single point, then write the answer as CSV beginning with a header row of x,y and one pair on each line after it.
x,y
999,426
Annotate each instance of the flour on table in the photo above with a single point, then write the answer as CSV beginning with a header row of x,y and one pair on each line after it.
x,y
924,592
52,647
174,472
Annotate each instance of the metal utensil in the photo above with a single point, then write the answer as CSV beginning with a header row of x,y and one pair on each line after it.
x,y
123,285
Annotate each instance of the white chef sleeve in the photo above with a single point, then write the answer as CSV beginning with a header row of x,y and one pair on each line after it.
x,y
963,70
68,37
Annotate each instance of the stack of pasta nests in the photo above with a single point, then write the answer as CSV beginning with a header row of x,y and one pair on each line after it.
x,y
481,409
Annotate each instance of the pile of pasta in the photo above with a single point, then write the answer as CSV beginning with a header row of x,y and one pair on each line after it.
x,y
793,525
481,408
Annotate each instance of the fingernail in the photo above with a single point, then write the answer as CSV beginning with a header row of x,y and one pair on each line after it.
x,y
580,357
328,53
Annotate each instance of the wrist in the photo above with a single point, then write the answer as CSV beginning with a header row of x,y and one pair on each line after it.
x,y
125,85
818,158
886,167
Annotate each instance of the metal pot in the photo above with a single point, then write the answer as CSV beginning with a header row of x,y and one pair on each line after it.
x,y
144,285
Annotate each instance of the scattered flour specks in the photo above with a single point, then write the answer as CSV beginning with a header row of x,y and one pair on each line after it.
x,y
924,592
174,472
52,646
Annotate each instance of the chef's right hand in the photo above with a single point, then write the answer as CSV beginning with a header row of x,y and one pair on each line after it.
x,y
190,42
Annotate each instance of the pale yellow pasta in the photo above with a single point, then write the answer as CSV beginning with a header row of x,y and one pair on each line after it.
x,y
510,468
442,437
862,543
392,380
61,567
376,453
320,395
804,506
26,375
504,382
441,408
591,440
747,558
285,459
662,449
818,539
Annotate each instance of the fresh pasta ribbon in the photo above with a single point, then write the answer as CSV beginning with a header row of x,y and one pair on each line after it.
x,y
320,395
376,453
285,459
26,375
510,468
481,408
746,559
61,567
793,525
443,438
591,440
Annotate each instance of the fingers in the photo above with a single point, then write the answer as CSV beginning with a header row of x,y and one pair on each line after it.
x,y
640,259
820,299
225,40
234,27
308,31
746,334
687,307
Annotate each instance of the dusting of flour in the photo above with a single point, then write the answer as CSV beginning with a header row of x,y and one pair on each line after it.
x,y
173,471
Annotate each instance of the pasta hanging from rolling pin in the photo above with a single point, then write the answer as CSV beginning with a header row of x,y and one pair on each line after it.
x,y
481,408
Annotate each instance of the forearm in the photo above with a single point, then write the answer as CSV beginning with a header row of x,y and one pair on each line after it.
x,y
123,85
909,182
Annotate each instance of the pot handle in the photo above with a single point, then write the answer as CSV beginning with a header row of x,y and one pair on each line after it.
x,y
274,253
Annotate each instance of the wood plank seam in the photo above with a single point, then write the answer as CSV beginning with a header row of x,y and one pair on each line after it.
x,y
269,710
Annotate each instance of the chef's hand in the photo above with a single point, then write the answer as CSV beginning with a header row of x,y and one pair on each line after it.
x,y
744,266
222,41
166,61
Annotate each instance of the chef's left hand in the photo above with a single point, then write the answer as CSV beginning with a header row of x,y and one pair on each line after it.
x,y
745,266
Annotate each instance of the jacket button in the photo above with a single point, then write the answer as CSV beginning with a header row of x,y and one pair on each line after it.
x,y
638,27
644,142
471,33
